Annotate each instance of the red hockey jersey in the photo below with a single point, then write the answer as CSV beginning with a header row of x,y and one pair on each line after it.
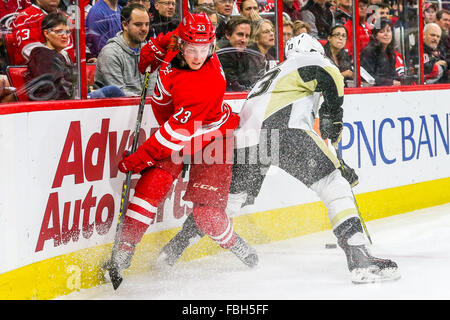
x,y
13,6
26,29
189,107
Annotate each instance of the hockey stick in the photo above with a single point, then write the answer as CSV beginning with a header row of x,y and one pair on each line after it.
x,y
116,278
341,162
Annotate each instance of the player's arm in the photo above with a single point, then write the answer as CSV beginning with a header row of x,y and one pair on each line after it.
x,y
331,83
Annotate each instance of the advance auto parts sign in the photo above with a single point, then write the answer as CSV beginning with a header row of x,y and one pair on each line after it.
x,y
63,188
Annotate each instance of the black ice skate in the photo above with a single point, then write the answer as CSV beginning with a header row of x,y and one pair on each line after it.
x,y
114,267
365,268
244,252
187,236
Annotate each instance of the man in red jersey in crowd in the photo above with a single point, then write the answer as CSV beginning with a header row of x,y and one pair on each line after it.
x,y
11,7
192,124
26,29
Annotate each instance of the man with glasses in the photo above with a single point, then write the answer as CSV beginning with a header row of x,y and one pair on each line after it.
x,y
164,18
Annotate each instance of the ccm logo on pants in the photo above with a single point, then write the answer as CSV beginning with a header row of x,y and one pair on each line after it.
x,y
204,186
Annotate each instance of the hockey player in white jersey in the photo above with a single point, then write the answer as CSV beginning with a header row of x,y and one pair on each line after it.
x,y
284,102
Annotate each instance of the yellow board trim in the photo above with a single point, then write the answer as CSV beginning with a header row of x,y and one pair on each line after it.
x,y
64,274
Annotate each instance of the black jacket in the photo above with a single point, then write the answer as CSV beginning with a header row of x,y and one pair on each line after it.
x,y
323,17
379,65
430,57
159,23
49,75
344,59
242,68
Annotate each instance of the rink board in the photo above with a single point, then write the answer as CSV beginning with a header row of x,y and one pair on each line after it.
x,y
60,194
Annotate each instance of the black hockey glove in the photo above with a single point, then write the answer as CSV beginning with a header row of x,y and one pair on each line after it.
x,y
331,125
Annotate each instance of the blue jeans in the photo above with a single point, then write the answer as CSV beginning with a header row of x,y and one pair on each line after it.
x,y
106,92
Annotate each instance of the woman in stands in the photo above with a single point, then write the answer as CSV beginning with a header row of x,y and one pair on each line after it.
x,y
263,38
379,58
49,66
50,72
334,49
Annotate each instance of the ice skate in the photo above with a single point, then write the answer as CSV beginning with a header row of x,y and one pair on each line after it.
x,y
245,252
114,267
172,251
365,268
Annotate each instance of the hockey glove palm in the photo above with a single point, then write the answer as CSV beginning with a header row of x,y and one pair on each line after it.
x,y
154,51
331,126
135,162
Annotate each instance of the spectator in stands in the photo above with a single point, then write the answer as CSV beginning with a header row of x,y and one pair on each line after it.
x,y
224,10
435,65
102,24
26,30
332,5
381,11
443,20
335,50
301,27
429,12
164,18
50,73
378,58
292,10
249,9
49,66
343,12
10,8
242,67
318,14
209,3
365,29
195,3
210,11
117,63
263,39
145,3
288,31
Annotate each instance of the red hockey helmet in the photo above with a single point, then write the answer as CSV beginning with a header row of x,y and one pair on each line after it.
x,y
197,29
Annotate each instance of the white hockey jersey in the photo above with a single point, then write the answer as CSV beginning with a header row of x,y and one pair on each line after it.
x,y
298,82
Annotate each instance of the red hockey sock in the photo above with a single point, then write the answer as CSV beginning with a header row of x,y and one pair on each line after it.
x,y
151,189
216,224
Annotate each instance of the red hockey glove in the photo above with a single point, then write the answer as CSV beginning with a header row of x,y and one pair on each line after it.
x,y
153,53
135,162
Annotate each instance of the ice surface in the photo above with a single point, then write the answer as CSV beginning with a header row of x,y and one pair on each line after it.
x,y
302,268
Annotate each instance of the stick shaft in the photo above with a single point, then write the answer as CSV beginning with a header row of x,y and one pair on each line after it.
x,y
338,155
126,186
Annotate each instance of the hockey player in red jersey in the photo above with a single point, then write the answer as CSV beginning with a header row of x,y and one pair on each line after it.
x,y
189,121
26,30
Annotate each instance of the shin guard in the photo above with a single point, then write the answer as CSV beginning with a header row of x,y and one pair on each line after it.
x,y
150,190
